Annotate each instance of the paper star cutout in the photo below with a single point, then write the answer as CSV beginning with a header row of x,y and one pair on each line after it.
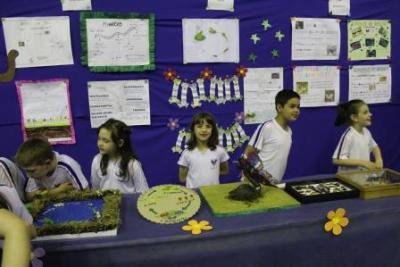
x,y
254,37
266,24
275,53
252,57
279,35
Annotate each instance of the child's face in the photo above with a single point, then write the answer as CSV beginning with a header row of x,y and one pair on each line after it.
x,y
203,131
291,110
363,117
105,143
41,170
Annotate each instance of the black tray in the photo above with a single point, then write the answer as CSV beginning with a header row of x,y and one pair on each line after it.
x,y
321,190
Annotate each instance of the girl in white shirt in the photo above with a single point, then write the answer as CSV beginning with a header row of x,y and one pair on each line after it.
x,y
116,166
203,161
356,144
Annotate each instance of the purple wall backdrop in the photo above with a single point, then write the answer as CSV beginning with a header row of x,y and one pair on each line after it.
x,y
314,137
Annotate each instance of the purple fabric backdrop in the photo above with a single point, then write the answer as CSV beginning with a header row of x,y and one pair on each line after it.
x,y
314,137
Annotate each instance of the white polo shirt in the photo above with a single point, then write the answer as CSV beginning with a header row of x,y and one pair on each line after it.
x,y
203,166
10,195
354,145
134,183
273,145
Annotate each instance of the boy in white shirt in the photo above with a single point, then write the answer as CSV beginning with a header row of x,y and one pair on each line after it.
x,y
48,171
12,176
272,139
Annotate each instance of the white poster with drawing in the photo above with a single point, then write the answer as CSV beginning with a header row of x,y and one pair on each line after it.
x,y
40,41
317,85
118,42
315,39
46,110
76,5
371,83
127,101
339,7
260,87
210,40
226,5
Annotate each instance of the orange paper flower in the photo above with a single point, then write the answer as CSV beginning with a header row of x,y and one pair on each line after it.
x,y
197,227
336,221
170,74
241,71
206,74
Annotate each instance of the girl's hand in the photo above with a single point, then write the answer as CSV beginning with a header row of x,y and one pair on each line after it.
x,y
379,164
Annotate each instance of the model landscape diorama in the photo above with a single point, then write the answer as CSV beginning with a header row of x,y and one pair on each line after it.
x,y
76,214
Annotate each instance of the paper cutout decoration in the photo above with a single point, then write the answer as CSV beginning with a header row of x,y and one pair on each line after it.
x,y
337,221
339,7
40,41
117,42
230,138
207,87
46,110
279,35
9,74
168,204
196,228
369,39
76,5
275,54
255,38
173,123
266,25
210,40
36,254
226,5
252,57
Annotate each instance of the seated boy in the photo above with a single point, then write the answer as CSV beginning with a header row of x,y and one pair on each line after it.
x,y
10,200
272,139
48,171
12,176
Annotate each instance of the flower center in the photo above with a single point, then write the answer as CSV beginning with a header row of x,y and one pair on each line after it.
x,y
336,220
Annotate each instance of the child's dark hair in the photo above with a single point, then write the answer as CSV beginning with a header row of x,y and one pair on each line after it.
x,y
34,151
345,110
283,96
198,119
119,131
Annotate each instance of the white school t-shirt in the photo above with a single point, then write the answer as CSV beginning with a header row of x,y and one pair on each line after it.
x,y
136,182
273,144
10,195
67,171
12,176
354,145
203,166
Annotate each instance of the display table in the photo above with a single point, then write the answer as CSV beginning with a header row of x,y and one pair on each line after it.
x,y
292,237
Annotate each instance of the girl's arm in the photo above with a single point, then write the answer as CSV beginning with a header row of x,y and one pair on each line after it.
x,y
355,163
224,168
16,233
139,179
183,171
378,157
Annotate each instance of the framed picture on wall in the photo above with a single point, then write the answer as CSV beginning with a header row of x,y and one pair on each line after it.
x,y
321,190
117,42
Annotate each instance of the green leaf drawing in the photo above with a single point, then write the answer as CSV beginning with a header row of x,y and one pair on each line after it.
x,y
199,36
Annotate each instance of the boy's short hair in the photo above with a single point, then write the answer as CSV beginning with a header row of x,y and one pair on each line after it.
x,y
283,96
34,151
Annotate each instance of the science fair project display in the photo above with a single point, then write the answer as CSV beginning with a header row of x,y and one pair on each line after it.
x,y
76,214
271,199
321,190
168,204
373,184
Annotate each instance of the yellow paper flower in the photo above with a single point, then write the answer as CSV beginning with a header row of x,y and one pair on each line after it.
x,y
197,227
336,221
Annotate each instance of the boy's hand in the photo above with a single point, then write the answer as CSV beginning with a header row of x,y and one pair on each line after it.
x,y
371,166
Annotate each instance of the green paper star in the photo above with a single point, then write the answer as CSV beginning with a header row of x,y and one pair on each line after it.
x,y
254,37
275,53
252,57
279,35
266,24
